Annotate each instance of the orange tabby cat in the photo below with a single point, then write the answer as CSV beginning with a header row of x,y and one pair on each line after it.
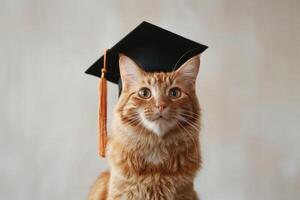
x,y
153,149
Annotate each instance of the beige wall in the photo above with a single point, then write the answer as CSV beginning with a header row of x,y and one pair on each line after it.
x,y
248,87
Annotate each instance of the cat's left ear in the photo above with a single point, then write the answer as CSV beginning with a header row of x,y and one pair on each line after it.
x,y
189,70
130,72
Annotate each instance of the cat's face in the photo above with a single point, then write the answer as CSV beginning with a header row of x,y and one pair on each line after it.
x,y
158,102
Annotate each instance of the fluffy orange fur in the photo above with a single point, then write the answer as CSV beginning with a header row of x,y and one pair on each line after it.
x,y
154,149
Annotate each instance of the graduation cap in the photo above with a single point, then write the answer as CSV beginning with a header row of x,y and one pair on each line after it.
x,y
153,48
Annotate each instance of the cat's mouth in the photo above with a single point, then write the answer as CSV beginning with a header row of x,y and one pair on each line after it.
x,y
157,123
158,118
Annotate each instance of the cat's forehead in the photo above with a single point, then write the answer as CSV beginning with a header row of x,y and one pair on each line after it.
x,y
159,78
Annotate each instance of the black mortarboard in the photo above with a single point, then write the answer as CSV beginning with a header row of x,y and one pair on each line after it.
x,y
154,49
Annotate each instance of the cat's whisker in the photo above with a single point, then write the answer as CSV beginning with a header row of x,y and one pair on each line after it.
x,y
191,112
143,127
182,131
133,123
187,130
133,118
190,135
184,139
186,115
192,124
189,116
132,114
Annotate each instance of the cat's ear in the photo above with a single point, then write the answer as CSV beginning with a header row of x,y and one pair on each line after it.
x,y
130,72
189,70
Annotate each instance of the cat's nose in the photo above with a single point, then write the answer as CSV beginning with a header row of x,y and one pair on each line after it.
x,y
161,106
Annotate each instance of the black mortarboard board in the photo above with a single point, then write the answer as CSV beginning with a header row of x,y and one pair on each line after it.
x,y
152,48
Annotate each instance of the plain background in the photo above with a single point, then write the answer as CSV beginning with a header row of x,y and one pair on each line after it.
x,y
248,87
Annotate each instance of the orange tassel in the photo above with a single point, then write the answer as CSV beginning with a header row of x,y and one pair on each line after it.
x,y
102,115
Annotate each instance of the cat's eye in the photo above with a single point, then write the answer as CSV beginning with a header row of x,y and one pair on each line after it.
x,y
174,93
144,93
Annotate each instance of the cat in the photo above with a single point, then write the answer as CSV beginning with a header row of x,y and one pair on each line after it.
x,y
154,149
